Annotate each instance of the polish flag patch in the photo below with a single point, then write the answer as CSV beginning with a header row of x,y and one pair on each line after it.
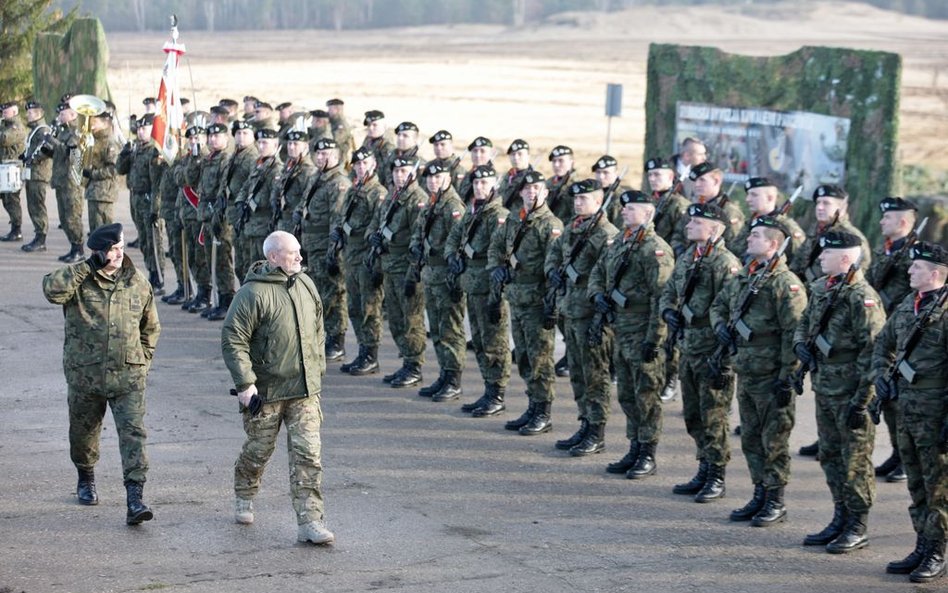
x,y
421,204
659,253
455,214
556,233
794,288
734,269
610,241
501,220
869,302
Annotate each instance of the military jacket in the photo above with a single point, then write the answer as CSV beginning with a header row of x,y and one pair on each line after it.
x,y
735,217
508,188
637,295
844,347
288,189
324,204
209,173
64,142
39,164
739,244
236,171
472,236
929,358
273,335
359,209
466,188
559,199
102,174
806,262
528,282
168,190
187,173
458,171
112,326
671,216
380,147
717,269
402,216
767,349
895,286
385,166
256,192
438,217
12,138
575,305
342,134
137,163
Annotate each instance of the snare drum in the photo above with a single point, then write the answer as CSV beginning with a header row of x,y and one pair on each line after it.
x,y
10,181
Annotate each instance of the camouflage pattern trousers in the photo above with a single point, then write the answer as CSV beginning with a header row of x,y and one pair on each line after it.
x,y
36,205
491,344
639,388
11,203
303,419
706,410
845,454
534,350
147,233
332,291
406,317
923,413
765,431
446,321
588,370
86,411
69,206
365,303
100,213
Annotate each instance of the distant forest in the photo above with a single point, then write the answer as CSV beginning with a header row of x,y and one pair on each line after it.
x,y
231,15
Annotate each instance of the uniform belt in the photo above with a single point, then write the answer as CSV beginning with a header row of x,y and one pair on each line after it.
x,y
435,260
637,308
843,356
703,321
925,383
768,339
527,280
479,257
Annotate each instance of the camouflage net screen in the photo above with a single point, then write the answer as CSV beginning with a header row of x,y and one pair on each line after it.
x,y
75,63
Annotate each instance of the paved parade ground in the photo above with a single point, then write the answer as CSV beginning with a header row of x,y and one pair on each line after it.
x,y
421,497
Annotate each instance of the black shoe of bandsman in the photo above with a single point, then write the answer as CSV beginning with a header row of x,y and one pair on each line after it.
x,y
85,489
811,450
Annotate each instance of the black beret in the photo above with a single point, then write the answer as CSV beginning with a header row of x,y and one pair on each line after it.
x,y
325,144
560,150
147,120
227,103
297,136
440,135
361,154
104,237
62,107
250,98
216,129
33,104
533,176
7,104
371,116
262,105
657,163
518,144
133,123
479,142
406,126
896,204
105,115
319,113
701,169
283,105
334,102
435,167
839,240
830,191
930,252
404,161
758,182
708,211
584,187
484,172
149,101
219,110
240,125
604,162
194,130
65,98
634,196
770,222
265,133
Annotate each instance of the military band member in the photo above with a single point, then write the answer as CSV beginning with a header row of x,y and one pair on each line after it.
x,y
708,181
63,146
761,200
442,143
37,168
12,144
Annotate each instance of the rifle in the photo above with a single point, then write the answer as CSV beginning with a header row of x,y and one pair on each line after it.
x,y
555,192
452,280
880,280
335,247
550,304
510,197
900,367
735,322
413,277
384,233
815,250
613,295
785,207
279,204
249,205
815,339
304,206
155,232
691,282
496,298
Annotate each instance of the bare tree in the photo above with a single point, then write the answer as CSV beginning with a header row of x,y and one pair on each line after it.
x,y
138,9
210,11
519,12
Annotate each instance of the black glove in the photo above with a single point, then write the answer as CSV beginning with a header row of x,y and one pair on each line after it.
x,y
555,279
98,260
603,306
717,378
673,319
127,148
724,335
494,310
337,235
856,417
456,264
500,275
22,157
153,218
886,390
377,241
416,251
87,173
255,404
943,438
649,351
804,354
410,288
297,217
782,393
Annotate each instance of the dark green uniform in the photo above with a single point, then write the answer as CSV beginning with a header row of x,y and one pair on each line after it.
x,y
509,188
12,143
238,168
559,199
806,260
288,189
671,210
101,176
188,176
37,170
137,162
65,180
253,203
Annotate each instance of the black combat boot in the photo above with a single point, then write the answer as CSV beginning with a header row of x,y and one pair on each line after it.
x,y
910,562
853,535
561,368
479,402
494,404
202,301
521,420
627,461
392,376
335,347
157,286
811,450
713,488
85,488
133,244
889,464
593,442
75,255
220,311
773,511
896,475
434,388
13,235
357,361
645,463
831,531
578,436
451,390
37,244
370,362
696,483
411,375
932,565
540,422
753,506
175,298
137,511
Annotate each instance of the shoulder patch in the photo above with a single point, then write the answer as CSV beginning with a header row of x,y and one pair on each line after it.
x,y
501,220
659,252
869,303
421,204
556,232
610,241
733,221
734,269
794,288
455,214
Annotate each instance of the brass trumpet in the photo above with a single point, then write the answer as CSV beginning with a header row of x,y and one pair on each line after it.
x,y
87,106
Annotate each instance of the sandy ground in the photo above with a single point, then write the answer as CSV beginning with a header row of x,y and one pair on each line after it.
x,y
545,83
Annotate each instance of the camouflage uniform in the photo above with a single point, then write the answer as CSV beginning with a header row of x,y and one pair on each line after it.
x,y
168,210
209,172
394,153
137,162
288,189
324,204
509,188
381,147
12,139
806,262
253,200
238,168
111,332
342,134
273,338
188,175
671,210
101,191
649,267
68,191
739,245
533,343
842,380
559,200
40,170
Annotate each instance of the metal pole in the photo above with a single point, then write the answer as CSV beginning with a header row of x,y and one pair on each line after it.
x,y
608,134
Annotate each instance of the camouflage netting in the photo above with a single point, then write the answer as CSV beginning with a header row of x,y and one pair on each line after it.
x,y
75,63
860,85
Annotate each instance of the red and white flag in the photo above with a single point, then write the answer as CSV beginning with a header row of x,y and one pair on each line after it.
x,y
169,116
